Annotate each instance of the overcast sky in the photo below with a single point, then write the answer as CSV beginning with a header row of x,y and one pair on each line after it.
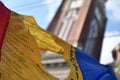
x,y
44,10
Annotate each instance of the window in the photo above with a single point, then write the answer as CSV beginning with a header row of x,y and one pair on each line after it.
x,y
67,24
76,3
91,38
98,14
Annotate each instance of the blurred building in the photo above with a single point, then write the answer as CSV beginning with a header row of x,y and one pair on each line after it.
x,y
82,24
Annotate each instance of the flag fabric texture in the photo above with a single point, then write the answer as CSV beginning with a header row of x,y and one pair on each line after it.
x,y
92,69
20,41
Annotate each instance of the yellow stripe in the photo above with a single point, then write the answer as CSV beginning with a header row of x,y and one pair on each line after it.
x,y
20,51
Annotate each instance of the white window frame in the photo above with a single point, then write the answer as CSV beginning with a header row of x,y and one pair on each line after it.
x,y
77,3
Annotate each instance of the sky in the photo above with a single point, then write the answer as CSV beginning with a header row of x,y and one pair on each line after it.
x,y
44,11
112,33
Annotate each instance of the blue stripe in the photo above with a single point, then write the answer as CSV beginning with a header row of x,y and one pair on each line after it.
x,y
92,69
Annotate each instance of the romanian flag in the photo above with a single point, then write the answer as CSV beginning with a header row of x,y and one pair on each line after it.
x,y
20,41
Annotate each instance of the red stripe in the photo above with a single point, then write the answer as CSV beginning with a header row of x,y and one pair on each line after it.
x,y
4,20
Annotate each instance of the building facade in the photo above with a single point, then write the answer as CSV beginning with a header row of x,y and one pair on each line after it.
x,y
81,23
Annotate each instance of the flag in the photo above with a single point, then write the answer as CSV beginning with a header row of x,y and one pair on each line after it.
x,y
3,22
20,41
92,69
